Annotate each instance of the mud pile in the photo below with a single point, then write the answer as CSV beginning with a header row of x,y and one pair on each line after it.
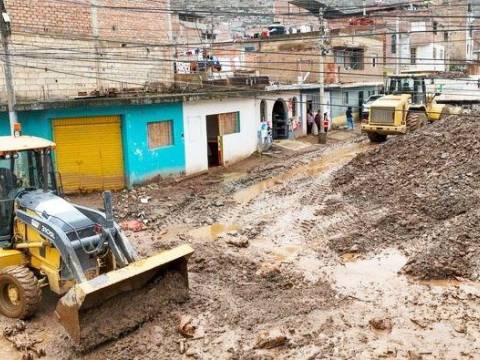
x,y
420,192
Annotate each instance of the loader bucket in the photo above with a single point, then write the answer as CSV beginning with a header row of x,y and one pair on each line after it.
x,y
120,301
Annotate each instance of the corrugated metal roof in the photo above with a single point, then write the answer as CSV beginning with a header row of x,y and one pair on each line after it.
x,y
342,8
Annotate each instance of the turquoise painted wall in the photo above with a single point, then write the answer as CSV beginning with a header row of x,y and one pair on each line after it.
x,y
141,163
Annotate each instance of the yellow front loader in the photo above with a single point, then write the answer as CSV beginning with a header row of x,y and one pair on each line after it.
x,y
405,108
77,252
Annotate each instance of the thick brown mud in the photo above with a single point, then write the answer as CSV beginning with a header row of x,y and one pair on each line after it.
x,y
311,265
422,188
126,312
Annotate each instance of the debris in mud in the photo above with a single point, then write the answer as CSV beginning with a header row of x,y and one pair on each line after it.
x,y
236,240
269,271
133,225
270,339
381,324
422,188
185,326
23,341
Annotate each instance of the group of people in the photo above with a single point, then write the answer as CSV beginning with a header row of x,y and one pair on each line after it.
x,y
315,121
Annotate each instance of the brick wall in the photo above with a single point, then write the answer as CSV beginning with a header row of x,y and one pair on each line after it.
x,y
286,59
56,54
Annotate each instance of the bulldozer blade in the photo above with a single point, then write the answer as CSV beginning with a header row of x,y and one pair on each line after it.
x,y
120,301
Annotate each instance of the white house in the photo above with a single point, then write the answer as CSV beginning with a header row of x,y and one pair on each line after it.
x,y
219,132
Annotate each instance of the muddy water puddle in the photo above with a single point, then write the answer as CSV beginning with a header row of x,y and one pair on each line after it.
x,y
214,231
382,272
329,161
420,319
361,276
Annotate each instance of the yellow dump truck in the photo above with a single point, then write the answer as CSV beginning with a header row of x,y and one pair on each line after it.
x,y
405,108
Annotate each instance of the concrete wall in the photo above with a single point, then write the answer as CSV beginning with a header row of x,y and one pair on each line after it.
x,y
293,59
140,162
235,146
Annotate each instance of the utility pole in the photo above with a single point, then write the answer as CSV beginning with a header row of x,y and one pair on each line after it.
x,y
97,44
397,46
9,86
322,135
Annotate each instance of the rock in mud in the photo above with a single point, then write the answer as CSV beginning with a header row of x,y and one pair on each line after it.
x,y
238,241
382,324
270,339
185,326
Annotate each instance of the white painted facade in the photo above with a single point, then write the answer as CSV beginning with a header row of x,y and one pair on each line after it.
x,y
235,147
430,57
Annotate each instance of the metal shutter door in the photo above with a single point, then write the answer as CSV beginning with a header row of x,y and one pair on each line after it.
x,y
89,153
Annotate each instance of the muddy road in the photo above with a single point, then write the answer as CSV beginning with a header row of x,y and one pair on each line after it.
x,y
288,265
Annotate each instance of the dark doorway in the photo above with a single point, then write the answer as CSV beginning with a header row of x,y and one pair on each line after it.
x,y
309,106
213,143
279,120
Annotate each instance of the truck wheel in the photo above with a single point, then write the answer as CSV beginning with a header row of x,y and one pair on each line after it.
x,y
20,293
376,137
416,120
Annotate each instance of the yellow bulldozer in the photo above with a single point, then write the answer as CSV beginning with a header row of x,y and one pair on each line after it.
x,y
75,251
406,107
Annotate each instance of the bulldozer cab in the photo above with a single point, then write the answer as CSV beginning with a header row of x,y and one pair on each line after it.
x,y
413,85
25,164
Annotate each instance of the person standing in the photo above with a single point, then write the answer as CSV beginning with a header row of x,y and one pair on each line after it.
x,y
318,119
326,122
310,120
349,115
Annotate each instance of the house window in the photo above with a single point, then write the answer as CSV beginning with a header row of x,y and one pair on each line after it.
x,y
229,123
418,26
356,59
413,56
435,27
374,60
434,53
345,98
445,36
339,57
208,35
160,134
188,17
351,59
394,44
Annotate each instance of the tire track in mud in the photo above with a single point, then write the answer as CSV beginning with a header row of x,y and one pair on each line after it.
x,y
227,282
